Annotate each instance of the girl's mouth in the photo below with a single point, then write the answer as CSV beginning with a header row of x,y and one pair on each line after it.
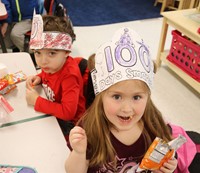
x,y
124,118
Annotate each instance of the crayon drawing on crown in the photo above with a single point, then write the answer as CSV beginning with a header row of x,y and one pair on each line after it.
x,y
121,59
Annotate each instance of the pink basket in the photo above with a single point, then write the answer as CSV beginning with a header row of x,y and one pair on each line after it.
x,y
185,54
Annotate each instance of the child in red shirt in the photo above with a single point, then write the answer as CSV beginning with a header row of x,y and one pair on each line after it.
x,y
60,76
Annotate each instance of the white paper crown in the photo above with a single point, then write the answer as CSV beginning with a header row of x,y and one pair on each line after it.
x,y
124,57
48,40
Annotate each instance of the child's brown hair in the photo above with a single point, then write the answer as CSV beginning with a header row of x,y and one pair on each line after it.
x,y
60,24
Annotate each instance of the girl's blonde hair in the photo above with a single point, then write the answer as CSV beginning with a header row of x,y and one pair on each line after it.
x,y
97,128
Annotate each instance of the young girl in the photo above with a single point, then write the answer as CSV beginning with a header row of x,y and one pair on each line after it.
x,y
122,122
51,41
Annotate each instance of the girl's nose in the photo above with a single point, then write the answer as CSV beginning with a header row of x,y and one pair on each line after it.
x,y
127,106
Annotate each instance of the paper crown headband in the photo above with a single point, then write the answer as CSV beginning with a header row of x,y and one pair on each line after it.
x,y
48,40
124,57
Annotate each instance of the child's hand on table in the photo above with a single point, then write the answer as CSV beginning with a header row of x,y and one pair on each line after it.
x,y
31,96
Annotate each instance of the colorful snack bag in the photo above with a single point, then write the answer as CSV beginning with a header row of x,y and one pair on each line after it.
x,y
3,84
159,152
15,77
7,83
9,79
7,89
19,77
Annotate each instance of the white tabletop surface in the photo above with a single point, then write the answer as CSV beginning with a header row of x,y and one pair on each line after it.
x,y
30,139
18,61
38,144
17,98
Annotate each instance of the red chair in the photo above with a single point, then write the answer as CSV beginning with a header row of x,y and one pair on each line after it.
x,y
48,5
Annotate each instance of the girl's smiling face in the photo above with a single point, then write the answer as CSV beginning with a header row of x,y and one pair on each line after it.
x,y
50,60
125,102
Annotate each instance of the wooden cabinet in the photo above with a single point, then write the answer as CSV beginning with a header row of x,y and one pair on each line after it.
x,y
181,21
171,4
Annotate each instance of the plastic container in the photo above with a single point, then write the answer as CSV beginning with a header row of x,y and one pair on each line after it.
x,y
5,110
185,54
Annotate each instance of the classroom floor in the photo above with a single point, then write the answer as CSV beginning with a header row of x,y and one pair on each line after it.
x,y
179,103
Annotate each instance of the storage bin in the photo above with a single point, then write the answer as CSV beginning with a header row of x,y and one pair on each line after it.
x,y
185,54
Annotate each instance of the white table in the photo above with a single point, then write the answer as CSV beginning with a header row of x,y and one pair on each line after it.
x,y
38,144
31,139
16,62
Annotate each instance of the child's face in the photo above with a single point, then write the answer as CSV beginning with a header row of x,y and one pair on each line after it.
x,y
50,60
124,103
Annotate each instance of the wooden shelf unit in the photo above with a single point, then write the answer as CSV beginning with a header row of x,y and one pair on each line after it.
x,y
180,21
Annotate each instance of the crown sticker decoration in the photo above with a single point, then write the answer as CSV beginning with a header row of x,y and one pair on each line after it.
x,y
48,39
125,57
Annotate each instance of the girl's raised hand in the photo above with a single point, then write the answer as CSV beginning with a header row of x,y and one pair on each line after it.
x,y
78,140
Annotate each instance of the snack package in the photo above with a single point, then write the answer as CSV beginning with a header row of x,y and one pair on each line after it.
x,y
9,81
15,77
3,84
5,109
159,152
7,89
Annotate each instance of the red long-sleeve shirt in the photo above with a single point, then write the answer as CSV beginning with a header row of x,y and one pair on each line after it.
x,y
64,90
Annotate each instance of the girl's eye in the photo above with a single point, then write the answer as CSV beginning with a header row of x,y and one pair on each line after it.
x,y
137,97
116,97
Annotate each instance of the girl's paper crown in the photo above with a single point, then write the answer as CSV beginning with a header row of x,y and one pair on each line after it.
x,y
48,40
125,57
